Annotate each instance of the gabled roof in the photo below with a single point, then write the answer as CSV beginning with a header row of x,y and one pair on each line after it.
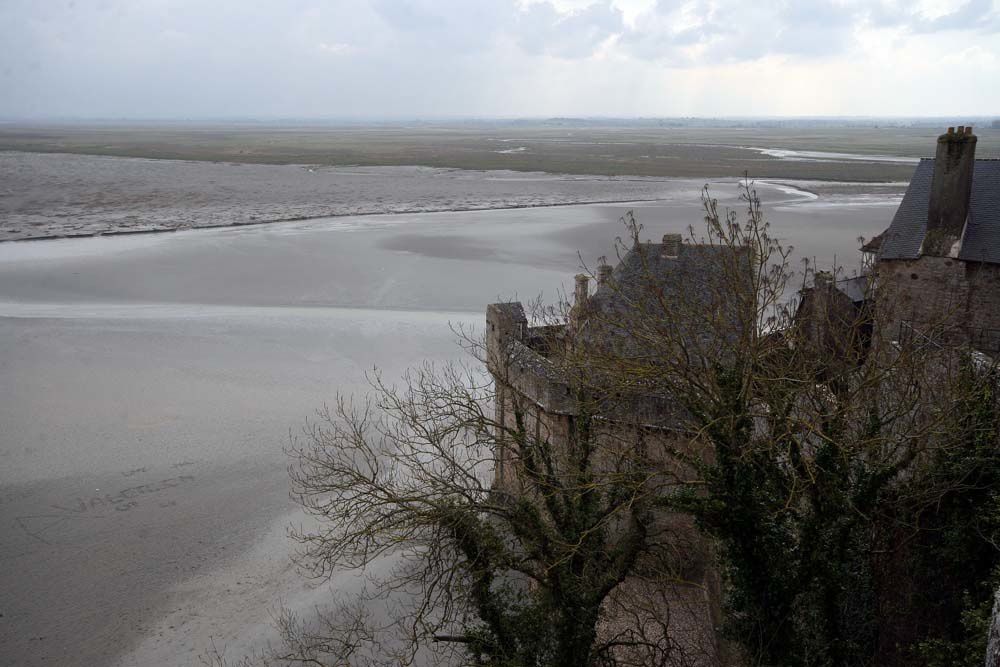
x,y
694,270
648,285
981,241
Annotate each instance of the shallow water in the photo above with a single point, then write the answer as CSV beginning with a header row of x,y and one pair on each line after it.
x,y
826,156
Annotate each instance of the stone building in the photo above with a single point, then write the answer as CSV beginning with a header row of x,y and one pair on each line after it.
x,y
654,282
836,316
938,263
935,271
610,325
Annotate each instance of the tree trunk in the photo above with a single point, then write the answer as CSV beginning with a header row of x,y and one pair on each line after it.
x,y
993,639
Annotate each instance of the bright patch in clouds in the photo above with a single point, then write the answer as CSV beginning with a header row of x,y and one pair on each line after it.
x,y
335,48
441,58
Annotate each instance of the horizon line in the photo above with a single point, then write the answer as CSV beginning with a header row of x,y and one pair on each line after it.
x,y
486,118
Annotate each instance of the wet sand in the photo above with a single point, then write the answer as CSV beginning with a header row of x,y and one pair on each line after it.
x,y
151,382
52,195
143,449
90,562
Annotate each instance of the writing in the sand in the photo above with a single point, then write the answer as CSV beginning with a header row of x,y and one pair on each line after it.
x,y
125,499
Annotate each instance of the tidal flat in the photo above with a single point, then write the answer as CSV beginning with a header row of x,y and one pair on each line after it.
x,y
79,180
152,382
58,195
850,153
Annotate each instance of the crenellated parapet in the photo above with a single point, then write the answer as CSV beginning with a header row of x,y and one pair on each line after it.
x,y
518,357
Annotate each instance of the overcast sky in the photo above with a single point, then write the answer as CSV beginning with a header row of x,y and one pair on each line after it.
x,y
459,58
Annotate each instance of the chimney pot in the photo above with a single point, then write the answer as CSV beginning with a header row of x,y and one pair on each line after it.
x,y
672,244
968,130
961,129
951,130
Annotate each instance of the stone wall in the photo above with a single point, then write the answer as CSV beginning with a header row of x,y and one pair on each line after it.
x,y
678,592
942,293
534,394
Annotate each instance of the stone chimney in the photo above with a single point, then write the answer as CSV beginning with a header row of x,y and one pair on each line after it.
x,y
672,245
580,296
603,274
951,188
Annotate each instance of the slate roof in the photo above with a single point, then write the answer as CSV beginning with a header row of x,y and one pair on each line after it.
x,y
645,271
512,310
981,242
645,289
648,283
856,288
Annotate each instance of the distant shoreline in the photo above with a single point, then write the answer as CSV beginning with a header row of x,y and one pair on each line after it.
x,y
185,228
642,150
252,223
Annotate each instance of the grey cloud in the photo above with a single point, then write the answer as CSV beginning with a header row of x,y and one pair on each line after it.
x,y
391,58
284,57
543,29
463,26
731,31
446,25
973,15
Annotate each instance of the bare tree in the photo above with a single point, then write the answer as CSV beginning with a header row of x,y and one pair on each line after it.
x,y
518,578
723,446
833,451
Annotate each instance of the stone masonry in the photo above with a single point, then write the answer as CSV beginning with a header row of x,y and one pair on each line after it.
x,y
938,267
534,390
